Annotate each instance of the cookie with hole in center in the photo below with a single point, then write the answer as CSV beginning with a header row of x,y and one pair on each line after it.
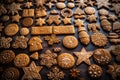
x,y
70,42
66,60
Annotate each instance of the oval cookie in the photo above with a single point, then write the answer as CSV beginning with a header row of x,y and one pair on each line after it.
x,y
11,29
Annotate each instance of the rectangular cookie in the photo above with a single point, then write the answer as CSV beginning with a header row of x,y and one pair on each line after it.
x,y
28,13
41,30
63,30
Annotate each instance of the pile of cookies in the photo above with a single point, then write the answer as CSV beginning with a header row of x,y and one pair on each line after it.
x,y
59,39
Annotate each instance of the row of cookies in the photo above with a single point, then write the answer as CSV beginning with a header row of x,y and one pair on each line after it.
x,y
64,60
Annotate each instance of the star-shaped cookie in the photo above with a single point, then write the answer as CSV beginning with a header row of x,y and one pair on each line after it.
x,y
66,20
92,18
28,4
32,72
103,3
40,21
50,5
16,18
79,23
83,56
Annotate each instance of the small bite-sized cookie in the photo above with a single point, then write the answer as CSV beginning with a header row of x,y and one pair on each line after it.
x,y
70,42
66,60
90,10
27,22
10,73
75,73
21,60
5,18
57,49
71,5
11,29
6,56
99,39
60,5
95,71
24,31
102,56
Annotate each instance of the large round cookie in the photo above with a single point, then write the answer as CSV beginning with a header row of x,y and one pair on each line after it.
x,y
10,74
11,29
102,56
6,56
66,60
21,60
70,42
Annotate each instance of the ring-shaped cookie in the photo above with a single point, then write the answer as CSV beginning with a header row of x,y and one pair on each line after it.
x,y
66,12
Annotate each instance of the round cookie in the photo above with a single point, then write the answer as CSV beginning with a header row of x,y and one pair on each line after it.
x,y
103,12
95,71
21,60
99,39
66,60
10,74
66,12
70,42
90,10
6,56
5,18
102,56
24,31
11,29
27,22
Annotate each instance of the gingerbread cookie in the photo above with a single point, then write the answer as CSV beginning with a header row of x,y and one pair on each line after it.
x,y
35,44
66,60
66,20
99,39
27,22
103,4
5,42
56,74
93,27
48,59
14,8
70,42
5,18
20,42
102,56
40,21
95,71
21,60
35,56
106,25
24,31
11,29
10,73
52,39
6,56
83,35
40,12
92,18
